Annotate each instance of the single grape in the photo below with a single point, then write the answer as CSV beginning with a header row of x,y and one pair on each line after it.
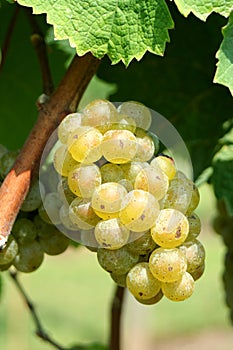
x,y
54,242
24,231
166,164
141,283
179,290
132,169
30,256
83,180
82,214
84,144
63,161
167,265
68,125
50,211
34,197
196,274
139,210
151,301
111,234
119,146
64,191
127,184
118,261
141,243
8,253
195,254
111,173
6,162
171,228
140,113
153,180
146,148
107,199
194,226
120,280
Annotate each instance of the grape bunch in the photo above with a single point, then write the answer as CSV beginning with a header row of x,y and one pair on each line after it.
x,y
31,236
223,225
120,198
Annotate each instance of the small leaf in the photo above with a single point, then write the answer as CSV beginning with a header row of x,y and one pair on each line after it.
x,y
122,29
203,8
224,72
222,177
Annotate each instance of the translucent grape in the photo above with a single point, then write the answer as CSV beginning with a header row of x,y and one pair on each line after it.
x,y
51,207
64,191
141,243
107,199
6,162
82,214
84,144
120,280
34,197
87,237
167,265
140,113
49,177
151,301
179,290
166,164
68,125
111,173
124,123
194,226
65,219
118,261
171,228
141,283
139,210
127,184
24,231
194,201
100,114
196,274
146,148
195,254
111,234
152,180
30,256
119,146
132,169
63,161
83,180
8,253
54,242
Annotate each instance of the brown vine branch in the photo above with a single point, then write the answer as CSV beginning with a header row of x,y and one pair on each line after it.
x,y
40,331
16,184
116,309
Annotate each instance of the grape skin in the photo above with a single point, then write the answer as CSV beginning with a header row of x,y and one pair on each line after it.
x,y
83,180
63,161
68,125
195,254
151,301
140,113
179,290
30,256
166,164
24,230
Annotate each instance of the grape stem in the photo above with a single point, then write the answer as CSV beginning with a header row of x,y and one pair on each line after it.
x,y
64,100
114,343
40,332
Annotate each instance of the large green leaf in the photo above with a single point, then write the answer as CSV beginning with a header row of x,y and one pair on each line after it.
x,y
179,85
203,8
122,29
224,73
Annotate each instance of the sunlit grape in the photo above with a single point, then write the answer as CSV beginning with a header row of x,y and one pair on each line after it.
x,y
166,164
68,125
82,214
140,113
83,180
195,254
63,161
111,234
111,173
179,290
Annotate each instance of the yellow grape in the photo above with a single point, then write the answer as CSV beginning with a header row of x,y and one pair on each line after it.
x,y
68,125
195,254
63,161
111,173
111,234
194,226
136,110
82,214
132,169
124,123
166,164
151,301
146,148
83,180
179,290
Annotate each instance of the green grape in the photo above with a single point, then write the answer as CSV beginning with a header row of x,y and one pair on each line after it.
x,y
111,173
64,191
120,280
166,164
100,114
141,243
140,113
141,283
63,161
132,169
49,177
152,180
194,226
82,214
194,201
34,197
119,146
139,210
195,254
179,290
50,211
107,198
8,253
43,228
84,144
124,123
83,180
118,261
127,184
30,256
6,162
68,125
54,242
65,219
171,228
151,301
146,148
167,265
24,231
196,274
155,140
111,234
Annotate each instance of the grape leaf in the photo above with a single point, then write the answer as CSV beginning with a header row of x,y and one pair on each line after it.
x,y
222,178
122,29
203,8
224,72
